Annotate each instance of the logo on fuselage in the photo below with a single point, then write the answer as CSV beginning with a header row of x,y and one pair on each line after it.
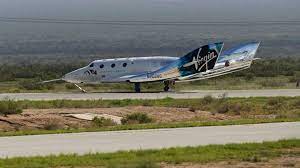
x,y
199,61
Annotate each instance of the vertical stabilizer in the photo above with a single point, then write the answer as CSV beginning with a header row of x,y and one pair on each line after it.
x,y
200,60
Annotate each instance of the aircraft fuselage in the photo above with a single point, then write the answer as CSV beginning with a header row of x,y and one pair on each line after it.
x,y
117,70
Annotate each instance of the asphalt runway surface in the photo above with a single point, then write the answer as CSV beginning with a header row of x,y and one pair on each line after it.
x,y
158,95
82,143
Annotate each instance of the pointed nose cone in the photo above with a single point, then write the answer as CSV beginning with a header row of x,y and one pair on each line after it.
x,y
76,76
69,77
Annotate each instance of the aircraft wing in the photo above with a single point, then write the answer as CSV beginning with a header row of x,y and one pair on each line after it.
x,y
199,60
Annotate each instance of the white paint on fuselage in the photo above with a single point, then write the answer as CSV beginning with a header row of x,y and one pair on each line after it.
x,y
117,70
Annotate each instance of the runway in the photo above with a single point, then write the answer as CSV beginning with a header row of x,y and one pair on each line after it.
x,y
82,143
176,95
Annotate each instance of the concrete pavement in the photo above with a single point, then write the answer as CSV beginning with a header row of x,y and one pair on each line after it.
x,y
82,143
175,95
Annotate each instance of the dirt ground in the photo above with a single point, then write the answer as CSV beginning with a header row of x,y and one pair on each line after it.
x,y
47,118
281,162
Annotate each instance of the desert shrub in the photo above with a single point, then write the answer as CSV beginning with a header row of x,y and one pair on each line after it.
x,y
70,86
249,76
52,125
60,103
271,83
192,109
30,85
168,99
289,73
102,122
253,159
297,103
207,99
274,105
146,103
275,101
48,86
294,79
138,163
35,85
144,163
222,108
288,114
136,118
236,108
8,107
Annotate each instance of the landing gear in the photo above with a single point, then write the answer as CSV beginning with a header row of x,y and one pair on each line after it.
x,y
82,90
167,86
137,87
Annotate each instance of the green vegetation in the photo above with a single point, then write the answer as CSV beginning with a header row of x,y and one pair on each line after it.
x,y
287,107
102,122
136,118
249,152
51,129
8,107
51,125
248,111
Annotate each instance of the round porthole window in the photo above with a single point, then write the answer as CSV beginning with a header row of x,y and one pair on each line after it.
x,y
101,66
113,65
124,64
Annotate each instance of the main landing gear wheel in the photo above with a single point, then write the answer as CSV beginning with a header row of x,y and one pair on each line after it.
x,y
137,87
167,86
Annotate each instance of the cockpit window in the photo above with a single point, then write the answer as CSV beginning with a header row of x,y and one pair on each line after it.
x,y
92,65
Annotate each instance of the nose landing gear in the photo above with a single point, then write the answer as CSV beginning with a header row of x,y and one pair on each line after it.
x,y
137,86
167,86
82,90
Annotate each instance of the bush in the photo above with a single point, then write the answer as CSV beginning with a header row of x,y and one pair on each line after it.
x,y
192,109
102,122
8,107
222,108
208,99
136,118
271,83
297,103
294,79
70,86
30,85
236,108
52,125
34,85
275,101
249,76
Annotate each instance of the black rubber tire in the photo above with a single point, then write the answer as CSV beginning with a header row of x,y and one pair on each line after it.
x,y
137,87
166,88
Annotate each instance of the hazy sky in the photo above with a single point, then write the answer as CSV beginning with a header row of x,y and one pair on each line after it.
x,y
175,40
154,9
